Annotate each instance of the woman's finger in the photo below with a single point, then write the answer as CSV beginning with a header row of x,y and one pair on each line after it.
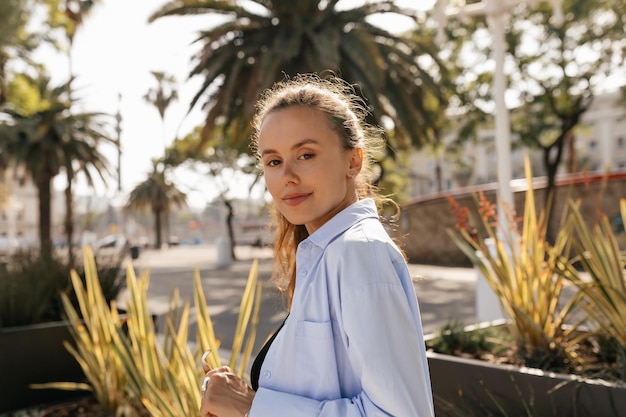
x,y
205,365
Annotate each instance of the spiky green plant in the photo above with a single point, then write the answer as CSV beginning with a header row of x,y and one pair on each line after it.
x,y
604,286
130,368
527,274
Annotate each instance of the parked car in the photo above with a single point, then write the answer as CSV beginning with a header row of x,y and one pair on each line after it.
x,y
111,241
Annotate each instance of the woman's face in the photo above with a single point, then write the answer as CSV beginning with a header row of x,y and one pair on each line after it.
x,y
307,170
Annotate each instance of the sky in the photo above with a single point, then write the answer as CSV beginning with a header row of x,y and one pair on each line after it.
x,y
114,53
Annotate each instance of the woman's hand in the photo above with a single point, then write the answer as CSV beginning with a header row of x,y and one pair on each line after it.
x,y
226,394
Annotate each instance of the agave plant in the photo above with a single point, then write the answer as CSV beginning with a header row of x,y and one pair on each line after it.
x,y
131,369
599,254
529,276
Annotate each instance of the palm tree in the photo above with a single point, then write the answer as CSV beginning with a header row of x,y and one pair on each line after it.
x,y
164,95
50,140
158,195
256,46
74,13
218,156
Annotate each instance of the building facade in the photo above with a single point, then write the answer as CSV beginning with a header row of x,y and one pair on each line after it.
x,y
19,222
599,147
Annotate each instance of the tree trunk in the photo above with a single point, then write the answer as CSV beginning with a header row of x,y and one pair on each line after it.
x,y
3,78
69,221
573,161
157,228
438,175
552,156
44,185
229,226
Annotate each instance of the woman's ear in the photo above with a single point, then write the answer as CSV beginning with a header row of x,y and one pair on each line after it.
x,y
356,162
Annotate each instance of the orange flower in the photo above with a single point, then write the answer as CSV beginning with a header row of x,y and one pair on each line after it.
x,y
487,209
461,213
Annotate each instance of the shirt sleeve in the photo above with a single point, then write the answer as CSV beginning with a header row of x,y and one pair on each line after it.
x,y
385,342
385,345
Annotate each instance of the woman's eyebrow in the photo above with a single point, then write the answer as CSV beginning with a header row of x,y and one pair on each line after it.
x,y
304,142
295,146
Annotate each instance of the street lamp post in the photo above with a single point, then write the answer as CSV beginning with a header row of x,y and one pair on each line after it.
x,y
496,12
118,199
118,130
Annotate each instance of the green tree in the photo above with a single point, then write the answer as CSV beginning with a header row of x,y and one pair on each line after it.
x,y
560,69
15,40
48,140
71,19
74,12
554,71
218,158
459,111
157,194
260,42
68,16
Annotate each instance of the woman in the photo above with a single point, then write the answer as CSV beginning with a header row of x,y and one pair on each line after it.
x,y
352,343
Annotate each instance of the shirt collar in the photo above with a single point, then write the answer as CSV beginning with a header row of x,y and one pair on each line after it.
x,y
343,220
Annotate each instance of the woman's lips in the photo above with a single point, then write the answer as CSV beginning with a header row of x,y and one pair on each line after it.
x,y
295,199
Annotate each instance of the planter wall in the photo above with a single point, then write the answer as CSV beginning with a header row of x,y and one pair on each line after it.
x,y
35,354
506,390
423,221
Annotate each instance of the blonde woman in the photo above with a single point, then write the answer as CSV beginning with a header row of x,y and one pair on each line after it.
x,y
352,344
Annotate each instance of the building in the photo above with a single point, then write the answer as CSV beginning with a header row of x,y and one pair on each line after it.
x,y
19,221
599,147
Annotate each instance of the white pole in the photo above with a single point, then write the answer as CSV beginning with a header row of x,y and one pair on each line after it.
x,y
496,12
502,122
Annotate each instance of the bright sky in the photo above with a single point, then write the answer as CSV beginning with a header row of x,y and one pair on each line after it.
x,y
114,53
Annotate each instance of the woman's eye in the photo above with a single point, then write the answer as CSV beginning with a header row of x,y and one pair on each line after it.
x,y
272,162
306,156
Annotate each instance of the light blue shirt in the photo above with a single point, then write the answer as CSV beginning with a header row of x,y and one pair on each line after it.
x,y
352,344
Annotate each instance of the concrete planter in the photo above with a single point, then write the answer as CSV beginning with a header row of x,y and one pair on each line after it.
x,y
35,354
507,390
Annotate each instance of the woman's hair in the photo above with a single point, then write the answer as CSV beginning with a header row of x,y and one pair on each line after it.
x,y
346,112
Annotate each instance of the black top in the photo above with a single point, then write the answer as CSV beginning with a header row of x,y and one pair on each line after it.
x,y
255,371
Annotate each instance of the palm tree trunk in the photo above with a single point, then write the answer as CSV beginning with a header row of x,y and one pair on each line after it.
x,y
439,175
229,227
44,186
3,78
157,228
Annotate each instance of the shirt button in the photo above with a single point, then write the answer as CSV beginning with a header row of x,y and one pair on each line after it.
x,y
303,272
267,374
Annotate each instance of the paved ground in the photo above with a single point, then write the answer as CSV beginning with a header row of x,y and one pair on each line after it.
x,y
443,293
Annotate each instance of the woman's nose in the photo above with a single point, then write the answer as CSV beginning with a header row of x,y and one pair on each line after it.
x,y
289,173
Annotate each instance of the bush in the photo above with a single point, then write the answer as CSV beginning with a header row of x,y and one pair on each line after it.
x,y
31,287
454,338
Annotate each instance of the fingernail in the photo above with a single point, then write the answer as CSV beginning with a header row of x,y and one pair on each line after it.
x,y
204,356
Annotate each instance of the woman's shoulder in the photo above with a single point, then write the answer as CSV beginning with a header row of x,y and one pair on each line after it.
x,y
367,231
366,241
